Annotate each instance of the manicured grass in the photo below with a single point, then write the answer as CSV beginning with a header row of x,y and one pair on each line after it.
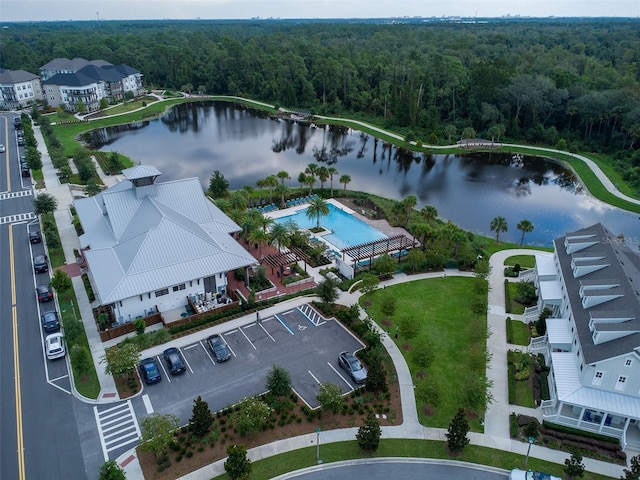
x,y
447,322
56,253
525,261
521,335
513,307
335,452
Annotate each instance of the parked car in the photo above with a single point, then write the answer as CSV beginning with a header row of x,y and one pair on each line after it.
x,y
24,170
21,141
54,346
219,348
17,123
40,263
353,366
44,293
2,149
517,474
50,321
35,237
175,362
149,371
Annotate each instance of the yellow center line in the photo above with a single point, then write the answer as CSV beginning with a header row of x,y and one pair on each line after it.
x,y
16,362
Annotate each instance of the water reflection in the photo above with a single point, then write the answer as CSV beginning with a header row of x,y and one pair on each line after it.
x,y
196,139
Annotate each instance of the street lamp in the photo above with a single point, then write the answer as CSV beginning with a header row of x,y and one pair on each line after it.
x,y
319,460
526,459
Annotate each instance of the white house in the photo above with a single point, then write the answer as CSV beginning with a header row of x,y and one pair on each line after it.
x,y
592,342
151,244
18,89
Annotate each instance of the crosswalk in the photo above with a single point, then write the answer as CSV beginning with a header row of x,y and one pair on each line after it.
x,y
17,194
18,218
117,427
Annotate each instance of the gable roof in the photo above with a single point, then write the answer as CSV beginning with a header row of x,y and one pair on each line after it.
x,y
605,298
91,73
167,236
8,77
71,65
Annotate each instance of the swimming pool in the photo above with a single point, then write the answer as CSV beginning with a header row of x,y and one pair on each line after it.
x,y
347,229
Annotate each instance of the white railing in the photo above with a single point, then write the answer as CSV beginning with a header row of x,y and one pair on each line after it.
x,y
531,314
528,275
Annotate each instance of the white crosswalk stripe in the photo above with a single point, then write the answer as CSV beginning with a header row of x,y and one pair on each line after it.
x,y
117,427
19,193
17,218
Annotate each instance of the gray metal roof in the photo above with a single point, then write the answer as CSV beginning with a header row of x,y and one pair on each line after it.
x,y
141,244
141,171
622,266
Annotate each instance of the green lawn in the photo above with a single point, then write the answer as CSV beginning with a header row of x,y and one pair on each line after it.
x,y
525,261
520,332
335,452
446,320
513,307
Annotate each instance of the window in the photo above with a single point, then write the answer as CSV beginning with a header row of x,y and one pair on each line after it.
x,y
621,382
164,291
597,378
179,287
628,362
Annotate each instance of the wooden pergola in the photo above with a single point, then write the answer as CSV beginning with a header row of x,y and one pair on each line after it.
x,y
370,250
277,260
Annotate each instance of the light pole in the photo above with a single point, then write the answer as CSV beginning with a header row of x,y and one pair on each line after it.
x,y
526,459
319,460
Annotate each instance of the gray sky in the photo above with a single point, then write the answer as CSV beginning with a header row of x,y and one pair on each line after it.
x,y
12,10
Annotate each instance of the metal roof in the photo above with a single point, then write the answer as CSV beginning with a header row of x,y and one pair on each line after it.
x,y
559,331
140,244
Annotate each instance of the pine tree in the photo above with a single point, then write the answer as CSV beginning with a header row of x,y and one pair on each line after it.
x,y
237,466
457,433
368,435
201,419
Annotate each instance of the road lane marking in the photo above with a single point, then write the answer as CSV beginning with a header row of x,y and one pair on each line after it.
x,y
147,404
117,427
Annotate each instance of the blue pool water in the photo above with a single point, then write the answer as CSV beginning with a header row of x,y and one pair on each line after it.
x,y
347,230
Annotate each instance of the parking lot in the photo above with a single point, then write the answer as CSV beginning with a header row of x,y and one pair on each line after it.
x,y
305,344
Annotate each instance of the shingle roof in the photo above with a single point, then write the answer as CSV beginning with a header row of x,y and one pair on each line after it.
x,y
8,77
621,265
141,244
70,80
71,65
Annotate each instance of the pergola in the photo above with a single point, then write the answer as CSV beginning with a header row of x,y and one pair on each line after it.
x,y
281,259
371,250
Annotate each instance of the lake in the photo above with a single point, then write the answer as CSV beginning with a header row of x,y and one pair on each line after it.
x,y
193,140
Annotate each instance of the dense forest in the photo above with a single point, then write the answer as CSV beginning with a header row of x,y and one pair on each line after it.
x,y
569,83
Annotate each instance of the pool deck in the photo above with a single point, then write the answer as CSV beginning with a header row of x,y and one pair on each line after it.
x,y
285,212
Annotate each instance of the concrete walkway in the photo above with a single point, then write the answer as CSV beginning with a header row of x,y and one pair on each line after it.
x,y
496,433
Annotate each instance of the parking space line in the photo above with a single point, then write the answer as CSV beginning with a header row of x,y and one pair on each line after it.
x,y
185,361
161,363
204,347
147,404
190,346
340,375
265,331
59,378
314,377
228,346
284,324
245,336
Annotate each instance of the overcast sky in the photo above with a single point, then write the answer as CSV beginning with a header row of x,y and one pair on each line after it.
x,y
21,10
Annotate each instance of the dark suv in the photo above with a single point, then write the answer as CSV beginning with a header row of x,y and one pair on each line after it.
x,y
174,360
40,263
50,322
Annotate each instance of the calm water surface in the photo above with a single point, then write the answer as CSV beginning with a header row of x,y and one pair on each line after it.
x,y
193,140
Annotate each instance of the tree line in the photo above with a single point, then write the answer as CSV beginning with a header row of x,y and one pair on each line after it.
x,y
566,83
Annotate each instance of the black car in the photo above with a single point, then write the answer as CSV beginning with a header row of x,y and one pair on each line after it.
x,y
17,123
50,321
24,170
350,363
175,362
219,348
35,237
44,293
40,263
149,371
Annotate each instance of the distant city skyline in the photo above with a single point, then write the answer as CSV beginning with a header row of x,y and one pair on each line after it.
x,y
39,10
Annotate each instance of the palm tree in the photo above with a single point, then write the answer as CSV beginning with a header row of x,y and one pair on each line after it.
x,y
345,179
323,175
408,204
332,171
525,226
312,169
282,175
498,225
279,236
310,181
317,209
263,222
281,190
238,200
259,237
429,213
302,178
261,184
270,182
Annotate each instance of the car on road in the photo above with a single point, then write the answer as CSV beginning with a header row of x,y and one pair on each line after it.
x,y
40,263
21,141
219,347
174,360
50,321
17,123
350,363
149,371
517,474
35,237
24,170
54,346
2,148
44,293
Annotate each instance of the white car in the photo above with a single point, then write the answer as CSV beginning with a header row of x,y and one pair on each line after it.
x,y
2,149
517,474
54,346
